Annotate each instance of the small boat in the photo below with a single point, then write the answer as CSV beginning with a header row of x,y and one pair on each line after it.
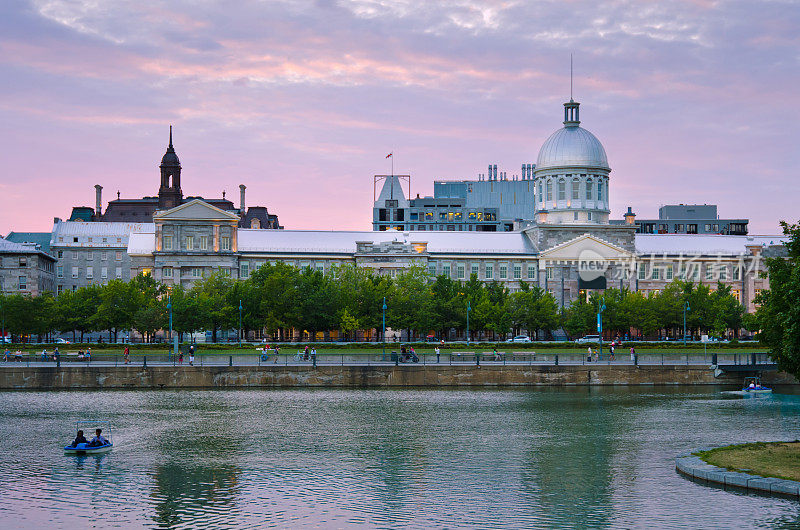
x,y
752,385
87,448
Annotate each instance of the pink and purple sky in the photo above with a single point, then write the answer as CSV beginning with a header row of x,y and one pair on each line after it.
x,y
694,101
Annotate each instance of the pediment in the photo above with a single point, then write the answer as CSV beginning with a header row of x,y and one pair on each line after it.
x,y
195,210
582,247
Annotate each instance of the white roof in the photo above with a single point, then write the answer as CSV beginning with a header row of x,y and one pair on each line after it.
x,y
707,244
10,246
337,242
69,229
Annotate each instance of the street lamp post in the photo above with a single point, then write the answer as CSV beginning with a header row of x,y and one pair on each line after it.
x,y
383,337
169,307
685,309
240,323
468,308
600,308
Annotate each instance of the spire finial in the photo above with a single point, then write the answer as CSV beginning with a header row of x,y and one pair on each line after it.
x,y
570,76
170,135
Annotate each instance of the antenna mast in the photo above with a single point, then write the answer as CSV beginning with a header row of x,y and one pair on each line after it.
x,y
570,77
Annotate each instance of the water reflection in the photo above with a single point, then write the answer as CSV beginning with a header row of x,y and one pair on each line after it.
x,y
575,457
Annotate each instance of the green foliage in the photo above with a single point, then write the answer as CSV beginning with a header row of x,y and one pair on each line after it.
x,y
778,318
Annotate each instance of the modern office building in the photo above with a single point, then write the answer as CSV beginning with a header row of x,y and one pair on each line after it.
x,y
691,219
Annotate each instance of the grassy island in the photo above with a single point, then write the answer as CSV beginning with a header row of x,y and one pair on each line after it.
x,y
767,459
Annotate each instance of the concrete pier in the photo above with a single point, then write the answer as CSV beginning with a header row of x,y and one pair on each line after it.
x,y
138,377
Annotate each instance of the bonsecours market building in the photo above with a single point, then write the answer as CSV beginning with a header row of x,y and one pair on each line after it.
x,y
572,248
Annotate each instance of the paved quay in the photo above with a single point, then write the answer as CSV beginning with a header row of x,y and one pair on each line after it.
x,y
105,374
693,466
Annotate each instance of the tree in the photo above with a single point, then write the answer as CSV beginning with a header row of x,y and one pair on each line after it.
x,y
779,314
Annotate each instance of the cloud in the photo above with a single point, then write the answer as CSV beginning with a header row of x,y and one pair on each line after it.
x,y
693,100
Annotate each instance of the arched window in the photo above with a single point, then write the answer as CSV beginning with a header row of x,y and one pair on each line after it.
x,y
589,185
549,190
600,191
562,190
541,197
576,189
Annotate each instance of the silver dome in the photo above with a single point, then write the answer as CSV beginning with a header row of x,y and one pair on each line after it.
x,y
572,146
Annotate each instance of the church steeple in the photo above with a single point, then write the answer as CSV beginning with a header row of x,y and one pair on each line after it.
x,y
170,194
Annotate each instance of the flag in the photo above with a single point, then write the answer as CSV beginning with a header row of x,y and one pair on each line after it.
x,y
389,155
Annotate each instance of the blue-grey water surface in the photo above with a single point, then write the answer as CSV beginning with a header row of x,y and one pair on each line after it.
x,y
570,458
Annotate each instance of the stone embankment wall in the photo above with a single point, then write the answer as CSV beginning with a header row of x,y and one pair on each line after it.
x,y
137,377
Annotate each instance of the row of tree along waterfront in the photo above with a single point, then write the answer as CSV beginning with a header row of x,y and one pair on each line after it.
x,y
281,302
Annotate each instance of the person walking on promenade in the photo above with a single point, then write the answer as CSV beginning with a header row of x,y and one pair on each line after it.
x,y
191,356
611,352
180,357
6,355
438,352
314,356
277,351
589,355
633,355
126,354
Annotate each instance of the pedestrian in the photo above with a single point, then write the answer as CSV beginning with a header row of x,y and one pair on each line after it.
x,y
88,356
180,357
191,356
305,353
314,356
436,349
611,352
127,355
496,355
589,355
633,355
277,350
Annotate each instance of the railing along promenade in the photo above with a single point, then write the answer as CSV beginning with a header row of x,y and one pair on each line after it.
x,y
452,358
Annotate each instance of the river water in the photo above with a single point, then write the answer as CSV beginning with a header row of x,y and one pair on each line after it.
x,y
550,457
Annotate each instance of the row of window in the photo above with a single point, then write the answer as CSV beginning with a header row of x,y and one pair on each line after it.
x,y
90,255
76,239
592,191
89,272
189,242
713,271
503,271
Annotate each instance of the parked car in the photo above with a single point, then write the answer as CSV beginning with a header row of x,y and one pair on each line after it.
x,y
61,341
520,338
588,338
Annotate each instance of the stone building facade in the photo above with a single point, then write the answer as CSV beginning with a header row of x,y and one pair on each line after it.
x,y
25,269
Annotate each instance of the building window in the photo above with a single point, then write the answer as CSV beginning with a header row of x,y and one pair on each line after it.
x,y
189,242
723,273
562,190
737,273
549,190
90,256
589,190
74,254
549,273
503,272
244,270
203,242
691,229
540,192
104,272
166,272
656,273
576,188
225,243
60,271
60,289
446,270
678,228
89,272
167,242
74,239
642,271
74,272
517,272
489,272
118,256
104,256
474,269
23,283
709,272
531,272
599,191
669,272
60,254
197,272
432,269
460,272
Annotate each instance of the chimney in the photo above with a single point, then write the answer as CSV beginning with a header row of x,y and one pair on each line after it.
x,y
98,206
242,187
629,216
